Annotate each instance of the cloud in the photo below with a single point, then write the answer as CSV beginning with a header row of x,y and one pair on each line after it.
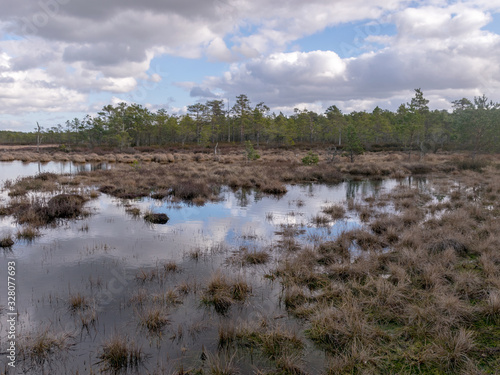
x,y
442,50
201,92
218,51
70,49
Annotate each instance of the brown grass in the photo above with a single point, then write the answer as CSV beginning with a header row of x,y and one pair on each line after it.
x,y
255,257
335,211
78,302
422,296
6,241
154,319
156,218
221,292
44,346
118,354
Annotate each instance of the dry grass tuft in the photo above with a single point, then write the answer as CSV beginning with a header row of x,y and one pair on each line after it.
x,y
338,328
78,302
222,363
221,292
454,350
44,346
255,257
6,241
28,233
154,319
118,354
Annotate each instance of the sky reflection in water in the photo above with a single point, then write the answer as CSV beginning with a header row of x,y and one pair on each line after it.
x,y
111,246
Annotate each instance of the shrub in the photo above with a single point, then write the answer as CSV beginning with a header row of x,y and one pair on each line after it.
x,y
310,159
471,164
250,152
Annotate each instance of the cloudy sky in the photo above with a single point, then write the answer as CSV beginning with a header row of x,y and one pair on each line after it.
x,y
61,59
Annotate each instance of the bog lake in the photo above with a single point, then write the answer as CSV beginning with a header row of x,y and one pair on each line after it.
x,y
114,259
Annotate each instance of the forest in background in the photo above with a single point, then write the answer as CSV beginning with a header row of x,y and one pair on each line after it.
x,y
473,125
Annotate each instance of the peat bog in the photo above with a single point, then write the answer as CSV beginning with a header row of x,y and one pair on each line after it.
x,y
191,263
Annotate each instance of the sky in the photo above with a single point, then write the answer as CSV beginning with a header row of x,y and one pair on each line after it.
x,y
63,59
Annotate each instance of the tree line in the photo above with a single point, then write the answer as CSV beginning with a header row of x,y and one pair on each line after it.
x,y
473,125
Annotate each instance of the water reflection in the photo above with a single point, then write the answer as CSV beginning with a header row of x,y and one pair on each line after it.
x,y
366,188
101,255
10,170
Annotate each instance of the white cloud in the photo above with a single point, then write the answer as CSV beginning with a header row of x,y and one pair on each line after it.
x,y
440,49
218,51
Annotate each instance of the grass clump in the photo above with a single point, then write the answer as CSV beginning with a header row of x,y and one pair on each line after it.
x,y
274,188
28,233
310,159
274,342
135,212
6,241
37,212
335,211
119,354
155,218
78,302
338,328
171,267
222,363
320,220
221,292
476,165
255,257
44,346
153,319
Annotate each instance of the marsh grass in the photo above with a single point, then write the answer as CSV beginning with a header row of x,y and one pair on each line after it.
x,y
119,353
153,318
335,211
227,335
170,267
135,212
423,287
78,302
221,292
37,212
421,297
222,363
44,346
254,257
196,254
6,242
156,218
320,220
275,342
170,297
28,233
88,318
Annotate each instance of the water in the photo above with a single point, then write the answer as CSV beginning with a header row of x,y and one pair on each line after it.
x,y
10,170
102,255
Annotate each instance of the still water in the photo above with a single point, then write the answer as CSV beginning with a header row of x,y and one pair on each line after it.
x,y
103,255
